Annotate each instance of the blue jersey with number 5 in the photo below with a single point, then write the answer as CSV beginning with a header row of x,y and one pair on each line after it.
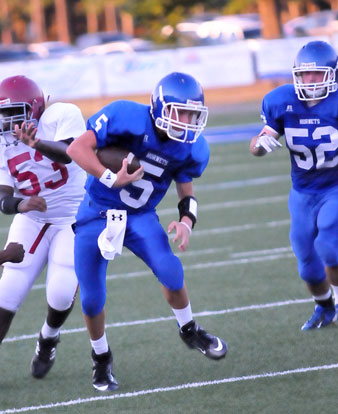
x,y
311,135
129,125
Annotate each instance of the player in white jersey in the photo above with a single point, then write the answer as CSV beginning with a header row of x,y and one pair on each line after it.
x,y
43,188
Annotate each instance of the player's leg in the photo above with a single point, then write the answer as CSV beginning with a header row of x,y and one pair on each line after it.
x,y
61,286
304,211
18,278
326,242
91,269
6,318
147,239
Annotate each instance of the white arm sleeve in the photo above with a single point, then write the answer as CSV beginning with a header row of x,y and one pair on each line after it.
x,y
61,121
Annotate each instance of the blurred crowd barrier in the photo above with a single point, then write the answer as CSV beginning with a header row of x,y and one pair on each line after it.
x,y
234,64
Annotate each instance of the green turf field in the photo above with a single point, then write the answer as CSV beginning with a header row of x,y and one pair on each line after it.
x,y
243,284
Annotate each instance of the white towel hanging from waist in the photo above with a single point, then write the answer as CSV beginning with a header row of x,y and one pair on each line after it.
x,y
110,241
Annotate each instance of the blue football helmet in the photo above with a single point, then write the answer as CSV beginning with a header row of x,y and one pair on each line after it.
x,y
177,107
316,56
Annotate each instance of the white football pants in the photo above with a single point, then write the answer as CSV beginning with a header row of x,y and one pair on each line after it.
x,y
51,245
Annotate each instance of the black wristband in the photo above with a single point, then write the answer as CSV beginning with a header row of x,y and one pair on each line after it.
x,y
188,207
9,204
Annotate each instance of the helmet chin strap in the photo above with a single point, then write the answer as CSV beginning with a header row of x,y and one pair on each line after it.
x,y
317,93
176,133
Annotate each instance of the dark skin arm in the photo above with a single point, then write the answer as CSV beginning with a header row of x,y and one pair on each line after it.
x,y
54,150
14,253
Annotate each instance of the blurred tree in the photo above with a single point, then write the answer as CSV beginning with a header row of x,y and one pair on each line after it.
x,y
38,31
274,13
151,15
109,9
270,14
19,19
240,6
127,23
61,15
5,23
92,10
110,16
38,20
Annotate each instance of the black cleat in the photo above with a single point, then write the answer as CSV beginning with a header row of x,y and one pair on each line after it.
x,y
44,356
103,377
196,337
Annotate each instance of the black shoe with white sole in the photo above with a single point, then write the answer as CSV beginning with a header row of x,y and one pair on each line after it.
x,y
103,377
196,337
44,356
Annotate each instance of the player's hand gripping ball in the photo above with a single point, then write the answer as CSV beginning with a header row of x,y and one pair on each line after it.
x,y
111,157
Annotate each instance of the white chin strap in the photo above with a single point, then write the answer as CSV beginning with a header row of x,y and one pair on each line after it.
x,y
176,133
316,93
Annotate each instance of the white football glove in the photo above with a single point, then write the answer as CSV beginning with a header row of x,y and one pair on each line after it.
x,y
268,142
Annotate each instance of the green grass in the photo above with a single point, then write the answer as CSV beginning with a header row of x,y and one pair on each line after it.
x,y
243,284
234,113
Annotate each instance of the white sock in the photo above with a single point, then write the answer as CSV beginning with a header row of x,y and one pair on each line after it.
x,y
184,315
100,346
335,292
326,295
48,332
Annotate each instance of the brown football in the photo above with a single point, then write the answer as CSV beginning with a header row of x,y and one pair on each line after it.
x,y
111,157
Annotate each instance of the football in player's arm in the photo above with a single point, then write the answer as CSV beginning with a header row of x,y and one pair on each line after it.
x,y
119,208
306,112
42,188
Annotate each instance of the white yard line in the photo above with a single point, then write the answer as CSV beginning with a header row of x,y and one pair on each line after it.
x,y
179,387
226,204
251,182
170,318
235,259
230,204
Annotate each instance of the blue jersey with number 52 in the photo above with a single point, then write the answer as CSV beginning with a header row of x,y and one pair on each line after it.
x,y
311,135
129,125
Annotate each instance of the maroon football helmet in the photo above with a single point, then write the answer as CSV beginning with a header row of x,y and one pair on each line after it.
x,y
21,100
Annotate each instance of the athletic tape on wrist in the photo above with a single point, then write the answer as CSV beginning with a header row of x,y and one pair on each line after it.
x,y
188,207
108,178
9,204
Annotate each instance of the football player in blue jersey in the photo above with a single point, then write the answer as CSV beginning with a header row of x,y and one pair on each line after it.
x,y
307,114
166,138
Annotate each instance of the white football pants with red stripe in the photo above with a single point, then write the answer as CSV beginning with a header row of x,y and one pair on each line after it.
x,y
45,245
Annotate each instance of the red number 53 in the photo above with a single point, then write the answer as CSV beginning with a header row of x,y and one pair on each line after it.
x,y
33,178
